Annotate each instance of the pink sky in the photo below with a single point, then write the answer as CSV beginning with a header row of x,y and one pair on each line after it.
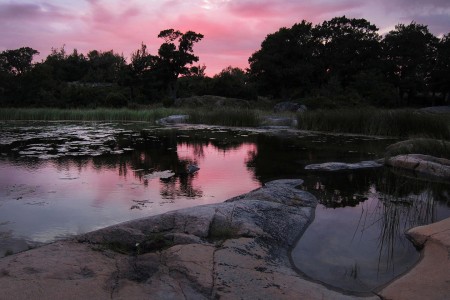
x,y
233,29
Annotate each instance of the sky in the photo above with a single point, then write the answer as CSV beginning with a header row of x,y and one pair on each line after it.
x,y
233,29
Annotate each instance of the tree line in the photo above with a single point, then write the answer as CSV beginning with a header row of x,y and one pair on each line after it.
x,y
340,62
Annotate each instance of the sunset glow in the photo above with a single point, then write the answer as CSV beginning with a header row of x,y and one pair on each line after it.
x,y
233,29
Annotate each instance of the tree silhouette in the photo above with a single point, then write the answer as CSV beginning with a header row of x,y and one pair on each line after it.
x,y
175,56
410,52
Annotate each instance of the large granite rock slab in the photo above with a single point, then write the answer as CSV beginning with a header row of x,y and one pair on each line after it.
x,y
238,249
430,279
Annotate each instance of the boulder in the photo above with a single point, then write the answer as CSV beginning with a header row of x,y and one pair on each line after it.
x,y
238,249
430,278
436,109
174,119
338,166
420,164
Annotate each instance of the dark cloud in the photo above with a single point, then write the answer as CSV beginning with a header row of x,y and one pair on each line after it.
x,y
28,11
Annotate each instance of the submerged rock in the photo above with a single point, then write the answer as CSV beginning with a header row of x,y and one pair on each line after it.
x,y
338,166
238,249
192,169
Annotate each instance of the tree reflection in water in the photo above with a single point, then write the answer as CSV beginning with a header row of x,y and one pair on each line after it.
x,y
359,224
379,207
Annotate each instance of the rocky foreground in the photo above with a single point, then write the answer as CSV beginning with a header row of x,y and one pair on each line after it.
x,y
238,249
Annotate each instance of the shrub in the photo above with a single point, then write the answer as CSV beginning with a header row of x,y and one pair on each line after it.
x,y
116,99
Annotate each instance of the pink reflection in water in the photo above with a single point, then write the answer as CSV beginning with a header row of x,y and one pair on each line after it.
x,y
43,201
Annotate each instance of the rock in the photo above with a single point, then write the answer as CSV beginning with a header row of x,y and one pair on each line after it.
x,y
236,249
424,165
192,169
174,119
338,166
288,106
302,109
279,121
436,109
430,278
211,101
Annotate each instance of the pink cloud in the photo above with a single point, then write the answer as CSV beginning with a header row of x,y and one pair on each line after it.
x,y
233,29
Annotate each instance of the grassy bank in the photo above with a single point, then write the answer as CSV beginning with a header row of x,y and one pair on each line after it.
x,y
396,123
226,117
102,114
222,116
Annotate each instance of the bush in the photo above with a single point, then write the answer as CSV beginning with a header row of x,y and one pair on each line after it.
x,y
116,99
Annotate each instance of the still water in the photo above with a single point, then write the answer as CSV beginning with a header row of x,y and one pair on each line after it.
x,y
61,179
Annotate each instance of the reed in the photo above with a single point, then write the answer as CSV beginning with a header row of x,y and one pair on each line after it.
x,y
380,122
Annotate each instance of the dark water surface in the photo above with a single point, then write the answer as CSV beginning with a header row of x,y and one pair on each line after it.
x,y
61,179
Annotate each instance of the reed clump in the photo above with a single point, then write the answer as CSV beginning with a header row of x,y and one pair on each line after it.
x,y
380,122
99,114
226,117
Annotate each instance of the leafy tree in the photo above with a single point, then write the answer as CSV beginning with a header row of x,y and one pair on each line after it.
x,y
14,65
67,68
18,61
196,83
440,76
409,53
287,61
104,67
348,46
232,82
138,72
174,59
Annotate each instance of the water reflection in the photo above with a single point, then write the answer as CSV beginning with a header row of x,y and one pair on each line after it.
x,y
45,198
358,243
63,179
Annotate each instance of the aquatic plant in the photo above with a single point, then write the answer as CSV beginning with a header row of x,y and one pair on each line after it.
x,y
381,122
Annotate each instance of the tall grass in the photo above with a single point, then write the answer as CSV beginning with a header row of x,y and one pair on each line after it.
x,y
396,123
226,117
223,117
101,114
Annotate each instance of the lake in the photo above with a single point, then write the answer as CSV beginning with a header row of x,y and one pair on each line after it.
x,y
63,179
